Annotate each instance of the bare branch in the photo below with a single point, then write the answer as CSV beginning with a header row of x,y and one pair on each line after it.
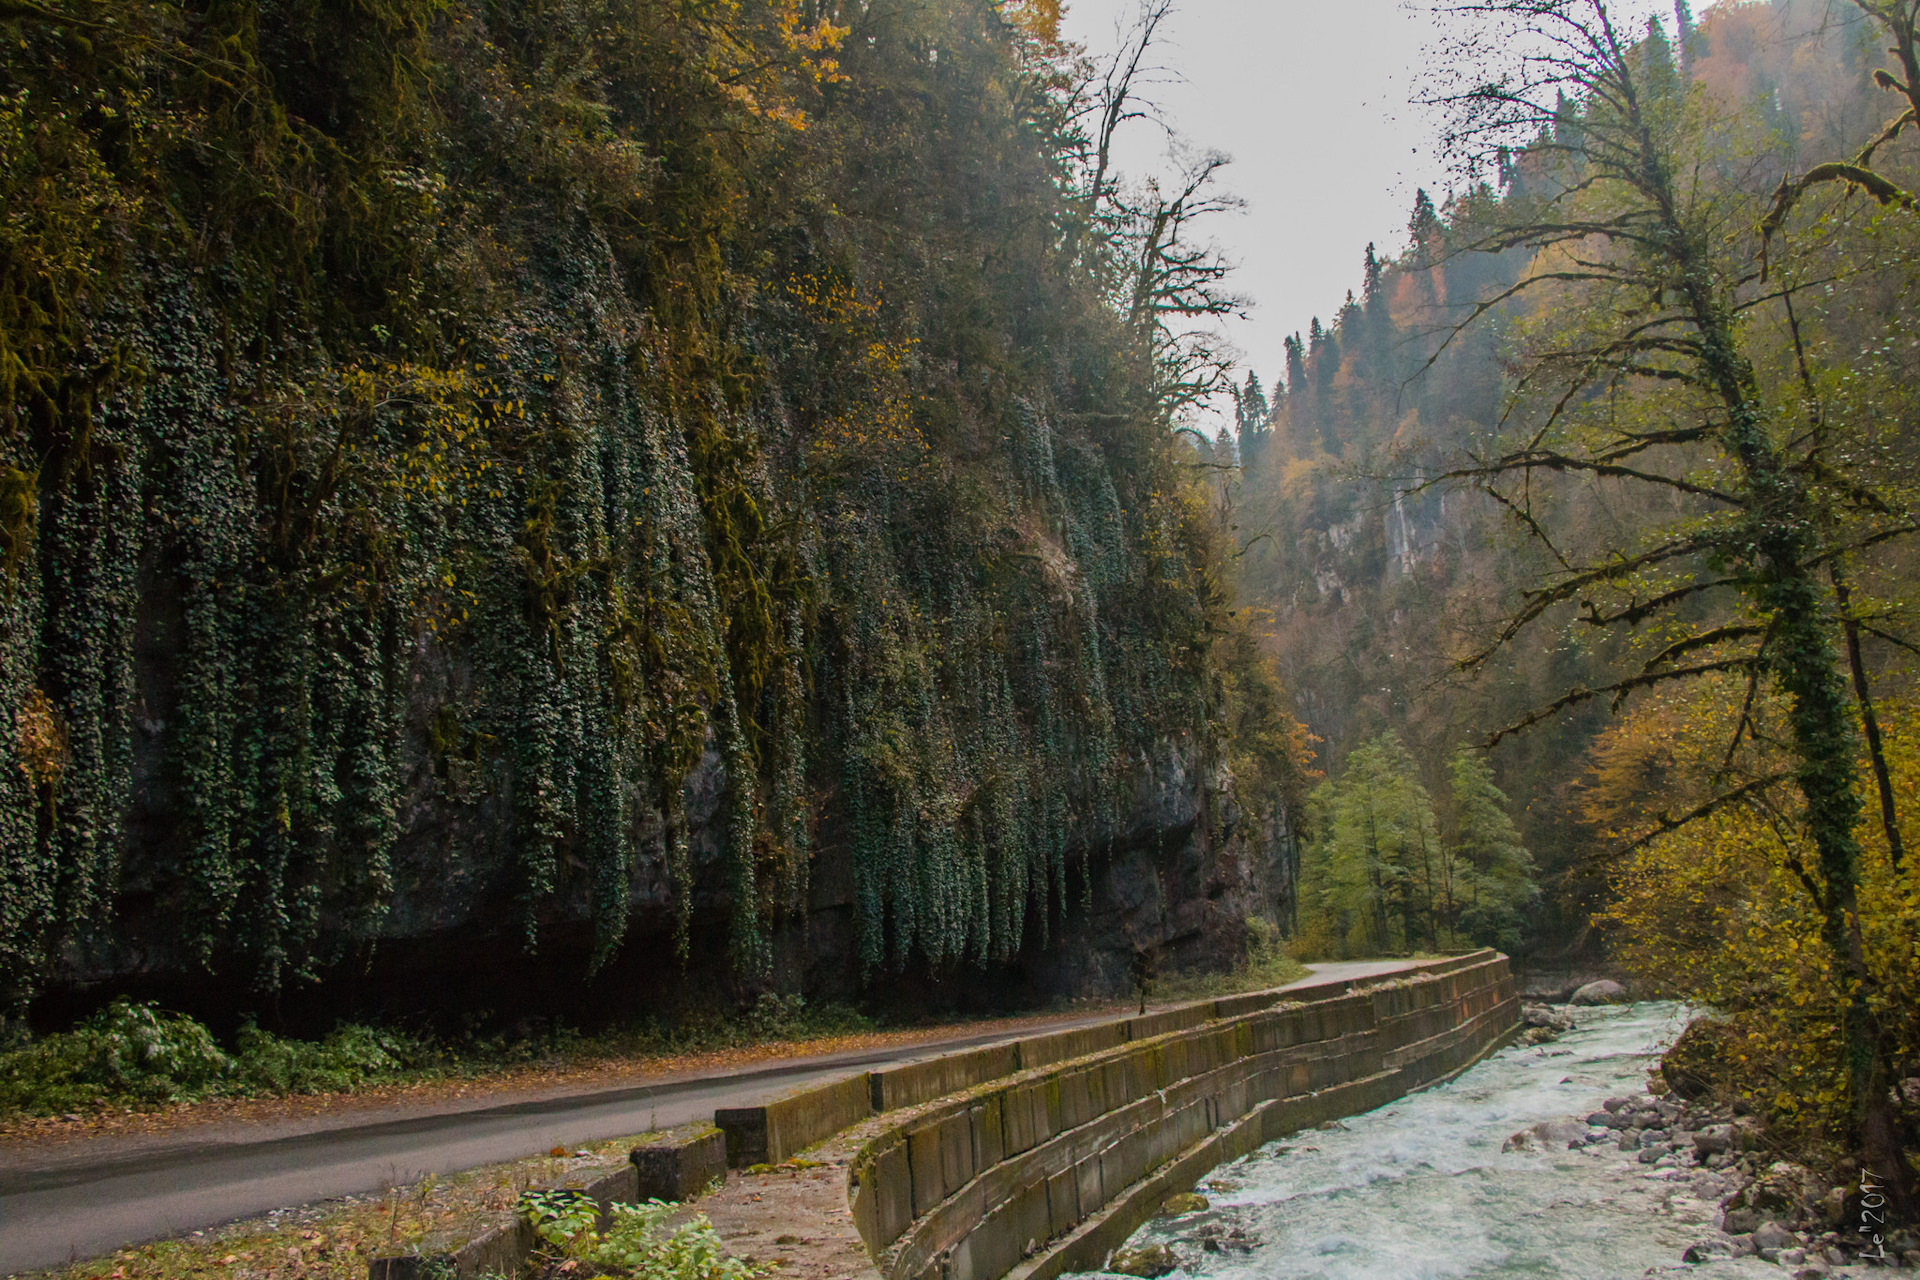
x,y
1620,689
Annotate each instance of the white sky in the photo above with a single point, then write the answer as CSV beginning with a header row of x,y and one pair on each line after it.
x,y
1310,98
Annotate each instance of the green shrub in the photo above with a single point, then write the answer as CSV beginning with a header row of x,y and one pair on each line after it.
x,y
347,1059
125,1053
634,1243
136,1051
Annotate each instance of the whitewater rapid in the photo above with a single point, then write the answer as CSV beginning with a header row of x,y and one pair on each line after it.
x,y
1421,1189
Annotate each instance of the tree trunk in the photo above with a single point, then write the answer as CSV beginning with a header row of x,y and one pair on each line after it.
x,y
1863,694
1804,665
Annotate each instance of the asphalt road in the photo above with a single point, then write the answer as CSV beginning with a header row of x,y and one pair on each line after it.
x,y
79,1203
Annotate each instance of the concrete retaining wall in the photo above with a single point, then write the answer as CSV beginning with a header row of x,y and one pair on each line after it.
x,y
781,1129
1080,1150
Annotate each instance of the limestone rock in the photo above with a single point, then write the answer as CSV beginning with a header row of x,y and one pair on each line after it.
x,y
1605,991
1785,1190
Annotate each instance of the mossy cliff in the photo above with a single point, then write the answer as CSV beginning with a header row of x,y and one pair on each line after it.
x,y
508,491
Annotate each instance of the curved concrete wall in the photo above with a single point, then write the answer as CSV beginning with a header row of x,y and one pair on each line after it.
x,y
1048,1169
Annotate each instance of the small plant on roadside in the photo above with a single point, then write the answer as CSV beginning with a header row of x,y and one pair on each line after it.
x,y
636,1241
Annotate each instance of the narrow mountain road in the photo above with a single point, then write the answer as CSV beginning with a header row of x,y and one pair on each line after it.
x,y
91,1197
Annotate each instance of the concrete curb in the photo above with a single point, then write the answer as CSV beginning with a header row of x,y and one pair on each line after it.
x,y
677,1168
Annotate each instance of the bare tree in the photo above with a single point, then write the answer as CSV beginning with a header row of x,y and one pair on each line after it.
x,y
1173,279
1114,94
1636,374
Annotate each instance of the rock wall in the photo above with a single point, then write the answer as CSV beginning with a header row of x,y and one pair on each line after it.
x,y
1183,879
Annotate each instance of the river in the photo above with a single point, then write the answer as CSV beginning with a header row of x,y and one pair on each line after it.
x,y
1422,1189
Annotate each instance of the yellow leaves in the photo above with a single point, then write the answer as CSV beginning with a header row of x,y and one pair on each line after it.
x,y
1716,913
1038,20
40,738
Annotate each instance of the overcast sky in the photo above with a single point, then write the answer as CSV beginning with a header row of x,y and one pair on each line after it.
x,y
1310,98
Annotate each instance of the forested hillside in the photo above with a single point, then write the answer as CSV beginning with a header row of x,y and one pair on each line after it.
x,y
1613,471
540,504
1380,582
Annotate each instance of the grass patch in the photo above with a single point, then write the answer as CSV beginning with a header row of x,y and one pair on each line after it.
x,y
336,1239
639,1241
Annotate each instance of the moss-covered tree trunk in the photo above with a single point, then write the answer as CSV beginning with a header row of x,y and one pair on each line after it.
x,y
1781,555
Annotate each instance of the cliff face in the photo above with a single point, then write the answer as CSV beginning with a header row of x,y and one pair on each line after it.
x,y
521,509
1185,873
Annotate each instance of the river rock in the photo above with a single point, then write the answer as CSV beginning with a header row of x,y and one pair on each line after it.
x,y
1548,1135
1785,1190
1148,1262
1630,1140
1541,1016
1740,1222
1650,1153
1184,1202
1713,1140
1742,1245
1605,991
1706,1251
1773,1235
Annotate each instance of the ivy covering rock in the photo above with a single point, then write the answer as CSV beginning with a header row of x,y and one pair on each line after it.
x,y
498,474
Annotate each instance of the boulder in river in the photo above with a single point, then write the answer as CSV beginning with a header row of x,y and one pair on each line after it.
x,y
1544,1017
1184,1202
1605,991
1548,1135
1148,1262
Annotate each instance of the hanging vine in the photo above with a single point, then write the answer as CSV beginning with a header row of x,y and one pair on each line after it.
x,y
524,419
